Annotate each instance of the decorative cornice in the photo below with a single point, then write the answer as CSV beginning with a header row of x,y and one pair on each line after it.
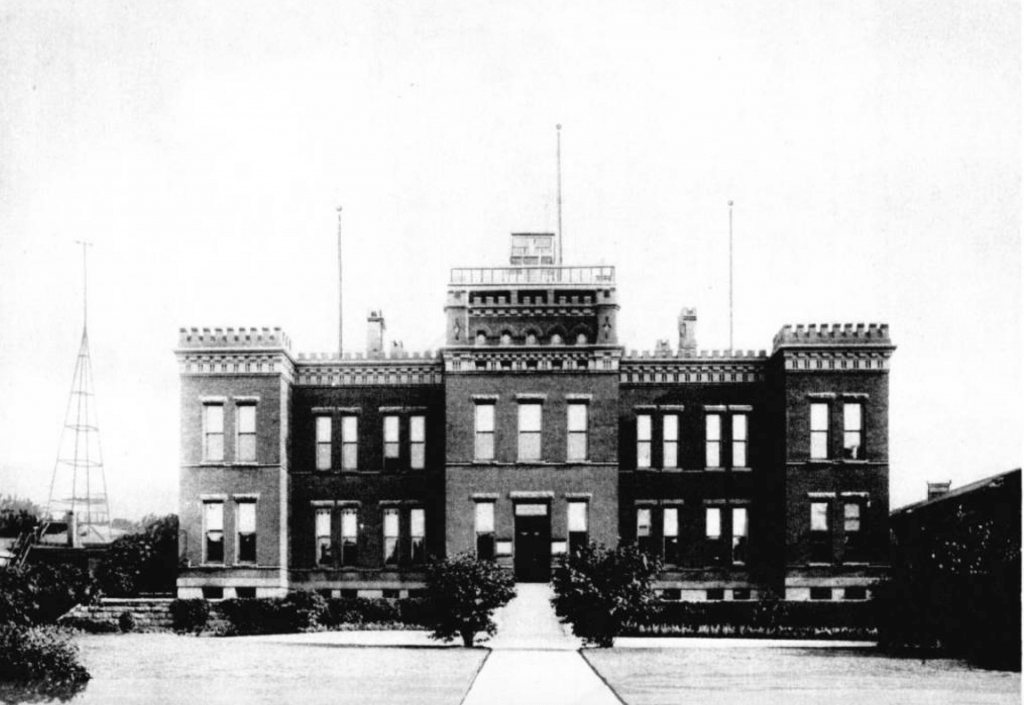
x,y
686,373
836,360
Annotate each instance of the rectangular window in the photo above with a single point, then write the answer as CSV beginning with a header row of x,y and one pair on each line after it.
x,y
853,432
819,431
246,532
213,432
390,438
349,536
417,442
484,443
390,536
739,441
417,535
821,535
577,524
484,524
529,431
643,529
213,530
670,534
323,442
713,441
853,546
670,441
577,426
713,533
643,441
349,442
739,535
246,452
324,547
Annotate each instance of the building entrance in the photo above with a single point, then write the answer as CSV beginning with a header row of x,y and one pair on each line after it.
x,y
532,551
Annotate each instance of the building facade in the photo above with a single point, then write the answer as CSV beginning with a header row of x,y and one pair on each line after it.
x,y
531,432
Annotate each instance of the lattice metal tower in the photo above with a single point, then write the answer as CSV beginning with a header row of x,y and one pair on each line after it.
x,y
79,485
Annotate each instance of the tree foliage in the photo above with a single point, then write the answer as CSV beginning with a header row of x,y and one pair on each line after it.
x,y
40,593
18,515
146,561
38,664
601,591
464,592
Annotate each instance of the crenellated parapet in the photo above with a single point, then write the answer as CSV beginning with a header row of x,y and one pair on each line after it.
x,y
398,367
833,334
834,347
666,366
192,338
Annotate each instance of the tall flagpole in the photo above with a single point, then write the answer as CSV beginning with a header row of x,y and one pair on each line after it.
x,y
341,346
558,158
730,277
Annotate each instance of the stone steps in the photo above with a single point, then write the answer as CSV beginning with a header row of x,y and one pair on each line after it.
x,y
149,613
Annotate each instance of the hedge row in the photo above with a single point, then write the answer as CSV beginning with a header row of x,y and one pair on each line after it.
x,y
299,611
767,619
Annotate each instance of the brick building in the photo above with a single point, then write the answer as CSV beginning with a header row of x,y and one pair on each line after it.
x,y
533,431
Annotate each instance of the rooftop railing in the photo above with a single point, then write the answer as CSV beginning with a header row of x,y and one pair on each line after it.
x,y
505,276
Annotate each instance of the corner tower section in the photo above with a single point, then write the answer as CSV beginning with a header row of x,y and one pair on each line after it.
x,y
531,394
235,400
832,384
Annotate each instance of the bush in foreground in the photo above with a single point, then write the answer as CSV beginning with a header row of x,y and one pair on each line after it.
x,y
464,592
39,663
189,615
600,591
39,594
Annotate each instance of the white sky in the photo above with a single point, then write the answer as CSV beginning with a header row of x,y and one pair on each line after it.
x,y
872,148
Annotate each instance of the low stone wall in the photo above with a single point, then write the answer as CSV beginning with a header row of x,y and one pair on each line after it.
x,y
151,614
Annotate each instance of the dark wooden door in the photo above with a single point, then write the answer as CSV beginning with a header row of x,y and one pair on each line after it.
x,y
533,549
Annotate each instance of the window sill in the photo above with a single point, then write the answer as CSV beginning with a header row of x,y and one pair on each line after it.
x,y
714,469
820,564
743,469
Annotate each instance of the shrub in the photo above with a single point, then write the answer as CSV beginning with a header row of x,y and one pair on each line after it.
x,y
361,610
146,561
88,625
126,621
39,661
304,609
189,615
41,593
464,593
600,591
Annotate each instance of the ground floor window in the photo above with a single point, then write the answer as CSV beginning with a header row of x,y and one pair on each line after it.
x,y
349,536
246,518
821,593
213,531
577,524
484,520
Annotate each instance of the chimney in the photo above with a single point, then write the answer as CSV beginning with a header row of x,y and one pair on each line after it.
x,y
938,489
375,334
688,331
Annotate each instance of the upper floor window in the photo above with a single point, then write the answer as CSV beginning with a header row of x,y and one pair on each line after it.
x,y
213,432
853,431
819,431
484,525
246,433
349,442
713,441
739,440
417,442
323,442
576,521
391,438
213,532
643,441
246,547
483,445
670,441
529,431
577,429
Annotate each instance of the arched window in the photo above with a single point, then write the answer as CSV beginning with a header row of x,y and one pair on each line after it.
x,y
506,338
581,339
556,339
481,338
531,338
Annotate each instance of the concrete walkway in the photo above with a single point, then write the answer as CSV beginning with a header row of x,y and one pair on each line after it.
x,y
535,660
